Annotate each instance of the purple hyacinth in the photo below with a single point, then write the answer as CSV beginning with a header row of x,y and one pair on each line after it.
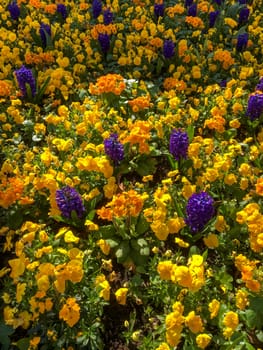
x,y
61,8
159,10
213,17
242,41
114,149
104,41
69,200
179,142
199,210
260,85
44,31
107,17
14,10
25,76
96,8
188,3
192,10
243,15
168,48
255,106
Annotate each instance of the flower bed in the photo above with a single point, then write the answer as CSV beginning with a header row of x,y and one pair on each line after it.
x,y
131,174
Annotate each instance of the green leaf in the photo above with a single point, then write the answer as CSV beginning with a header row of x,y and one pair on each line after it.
x,y
142,225
23,344
122,252
5,332
251,318
112,243
146,166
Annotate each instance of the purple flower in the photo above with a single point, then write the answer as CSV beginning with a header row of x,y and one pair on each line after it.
x,y
159,10
168,48
107,17
242,41
192,10
14,10
96,8
212,18
104,41
260,85
218,2
113,148
44,31
199,210
243,15
69,200
188,3
25,76
61,8
223,83
255,106
179,142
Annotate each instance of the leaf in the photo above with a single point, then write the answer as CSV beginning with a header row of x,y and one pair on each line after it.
x,y
5,331
251,318
146,166
142,225
122,252
23,344
112,243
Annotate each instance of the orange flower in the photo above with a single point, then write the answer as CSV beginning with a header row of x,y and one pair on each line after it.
x,y
109,83
70,312
259,186
11,190
140,103
173,83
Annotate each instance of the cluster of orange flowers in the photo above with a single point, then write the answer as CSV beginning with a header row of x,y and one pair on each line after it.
x,y
123,205
40,58
109,83
140,103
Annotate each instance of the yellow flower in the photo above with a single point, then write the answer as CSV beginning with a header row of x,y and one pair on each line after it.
x,y
194,322
120,295
259,186
230,321
20,291
69,237
104,246
211,241
70,312
105,290
34,342
91,225
203,340
242,299
163,346
164,269
213,307
43,283
17,266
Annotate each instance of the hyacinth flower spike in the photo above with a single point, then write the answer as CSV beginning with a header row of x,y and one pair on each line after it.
x,y
69,202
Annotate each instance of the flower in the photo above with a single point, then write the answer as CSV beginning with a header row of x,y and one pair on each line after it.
x,y
192,10
168,48
260,85
159,10
107,16
25,76
203,340
70,312
69,200
255,106
61,8
213,17
96,8
194,322
113,148
230,321
243,15
44,31
104,41
199,210
242,41
120,295
14,10
179,142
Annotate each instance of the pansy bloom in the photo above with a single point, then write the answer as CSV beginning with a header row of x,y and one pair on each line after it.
x,y
199,210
